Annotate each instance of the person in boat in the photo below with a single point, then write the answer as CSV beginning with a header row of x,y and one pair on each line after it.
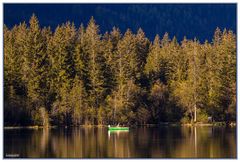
x,y
118,125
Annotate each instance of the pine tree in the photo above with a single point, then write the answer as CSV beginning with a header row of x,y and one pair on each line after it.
x,y
152,67
79,55
95,67
185,89
165,56
142,49
35,67
126,71
227,73
77,101
61,49
204,76
108,72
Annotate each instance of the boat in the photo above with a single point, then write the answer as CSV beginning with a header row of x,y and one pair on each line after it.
x,y
117,128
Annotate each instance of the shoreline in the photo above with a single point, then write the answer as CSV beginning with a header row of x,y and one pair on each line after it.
x,y
215,124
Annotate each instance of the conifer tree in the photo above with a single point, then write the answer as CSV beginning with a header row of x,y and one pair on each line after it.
x,y
77,101
95,66
80,59
61,49
185,88
142,47
35,67
152,67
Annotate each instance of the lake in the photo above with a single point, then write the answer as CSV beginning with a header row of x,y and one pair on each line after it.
x,y
144,142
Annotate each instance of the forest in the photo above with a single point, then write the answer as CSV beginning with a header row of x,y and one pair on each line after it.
x,y
77,76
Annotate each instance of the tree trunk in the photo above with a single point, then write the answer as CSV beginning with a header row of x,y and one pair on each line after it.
x,y
195,113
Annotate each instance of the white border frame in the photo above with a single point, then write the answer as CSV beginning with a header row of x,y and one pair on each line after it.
x,y
110,1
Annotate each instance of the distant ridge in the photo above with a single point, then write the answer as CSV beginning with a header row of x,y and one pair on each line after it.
x,y
181,20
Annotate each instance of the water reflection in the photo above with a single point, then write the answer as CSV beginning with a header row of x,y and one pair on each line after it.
x,y
119,142
163,142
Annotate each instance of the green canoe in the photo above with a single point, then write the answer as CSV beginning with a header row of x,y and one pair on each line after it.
x,y
118,128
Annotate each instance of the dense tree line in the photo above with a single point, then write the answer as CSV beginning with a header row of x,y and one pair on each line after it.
x,y
79,76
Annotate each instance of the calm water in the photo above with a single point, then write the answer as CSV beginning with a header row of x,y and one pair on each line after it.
x,y
163,142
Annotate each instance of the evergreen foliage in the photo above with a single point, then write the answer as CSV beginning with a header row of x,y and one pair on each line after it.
x,y
76,77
